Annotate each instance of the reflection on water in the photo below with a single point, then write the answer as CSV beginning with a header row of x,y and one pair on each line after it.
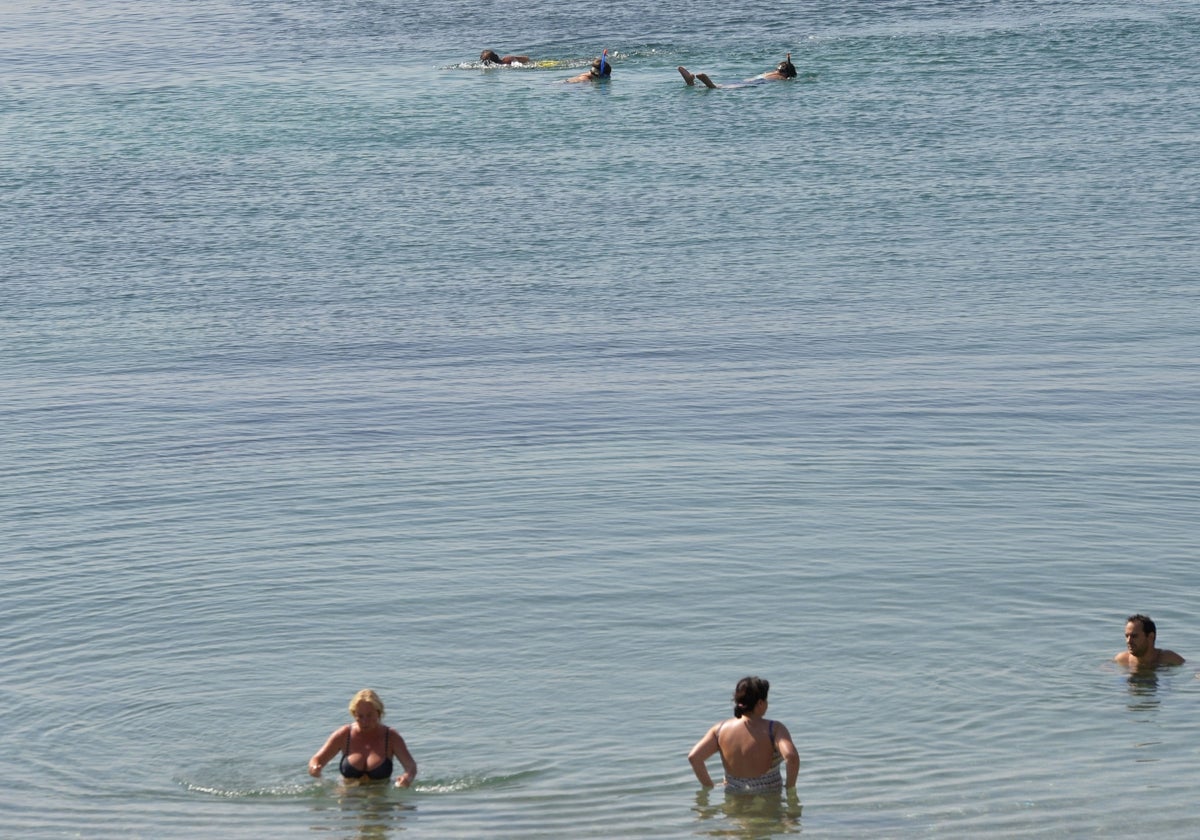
x,y
1143,690
365,812
749,816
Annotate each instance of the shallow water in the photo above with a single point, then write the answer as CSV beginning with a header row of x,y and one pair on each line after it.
x,y
549,411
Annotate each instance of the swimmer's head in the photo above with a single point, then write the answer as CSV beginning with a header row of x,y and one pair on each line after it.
x,y
749,691
369,697
601,69
785,68
1146,623
489,57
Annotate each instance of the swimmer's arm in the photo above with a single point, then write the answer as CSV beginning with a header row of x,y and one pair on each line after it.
x,y
791,755
400,751
705,749
1122,658
331,748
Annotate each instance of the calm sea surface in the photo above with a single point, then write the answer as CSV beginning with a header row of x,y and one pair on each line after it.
x,y
329,359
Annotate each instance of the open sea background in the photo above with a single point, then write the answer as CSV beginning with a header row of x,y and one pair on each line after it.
x,y
329,360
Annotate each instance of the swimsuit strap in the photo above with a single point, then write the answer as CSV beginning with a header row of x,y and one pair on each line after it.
x,y
770,734
347,769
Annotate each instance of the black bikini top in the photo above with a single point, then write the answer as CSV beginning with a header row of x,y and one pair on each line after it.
x,y
383,770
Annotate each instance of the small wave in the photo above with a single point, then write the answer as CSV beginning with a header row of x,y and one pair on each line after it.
x,y
473,781
232,791
224,778
256,789
532,64
516,65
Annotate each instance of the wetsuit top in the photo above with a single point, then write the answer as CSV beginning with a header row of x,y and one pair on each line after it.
x,y
381,771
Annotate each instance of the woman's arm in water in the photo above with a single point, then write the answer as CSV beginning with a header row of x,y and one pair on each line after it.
x,y
791,756
400,751
705,749
332,747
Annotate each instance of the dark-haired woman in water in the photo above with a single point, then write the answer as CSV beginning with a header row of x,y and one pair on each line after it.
x,y
751,747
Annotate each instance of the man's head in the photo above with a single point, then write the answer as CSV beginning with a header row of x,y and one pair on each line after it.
x,y
785,68
1140,634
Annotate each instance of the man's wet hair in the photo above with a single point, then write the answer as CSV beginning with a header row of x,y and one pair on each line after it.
x,y
786,68
1146,623
596,73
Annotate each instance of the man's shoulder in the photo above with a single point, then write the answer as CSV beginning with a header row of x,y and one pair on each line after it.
x,y
1169,657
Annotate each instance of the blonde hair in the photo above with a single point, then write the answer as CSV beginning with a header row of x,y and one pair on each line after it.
x,y
366,696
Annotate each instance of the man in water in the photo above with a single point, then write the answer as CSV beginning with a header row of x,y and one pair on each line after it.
x,y
783,71
488,58
1140,635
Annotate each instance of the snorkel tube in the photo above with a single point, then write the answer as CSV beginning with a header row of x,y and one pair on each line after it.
x,y
786,68
603,61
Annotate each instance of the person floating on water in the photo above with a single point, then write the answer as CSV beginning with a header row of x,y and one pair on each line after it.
x,y
751,747
600,70
367,746
783,71
489,59
1140,653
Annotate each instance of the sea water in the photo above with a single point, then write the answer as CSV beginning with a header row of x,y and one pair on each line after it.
x,y
331,359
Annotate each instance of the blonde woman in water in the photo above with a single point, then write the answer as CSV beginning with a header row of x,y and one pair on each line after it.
x,y
367,746
751,747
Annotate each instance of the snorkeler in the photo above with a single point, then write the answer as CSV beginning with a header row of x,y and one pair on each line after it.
x,y
489,58
783,71
600,70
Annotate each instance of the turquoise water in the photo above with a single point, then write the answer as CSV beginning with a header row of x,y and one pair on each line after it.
x,y
332,360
